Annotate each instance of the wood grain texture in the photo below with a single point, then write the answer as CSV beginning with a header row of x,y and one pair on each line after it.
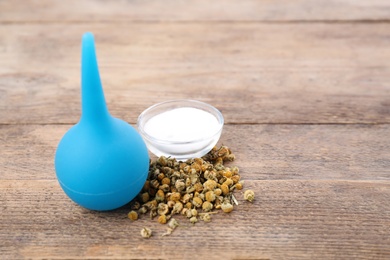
x,y
201,10
304,88
292,219
254,73
264,152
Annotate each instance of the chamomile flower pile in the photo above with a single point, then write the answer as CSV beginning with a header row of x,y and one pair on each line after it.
x,y
195,188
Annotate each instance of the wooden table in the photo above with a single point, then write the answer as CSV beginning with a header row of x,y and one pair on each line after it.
x,y
305,90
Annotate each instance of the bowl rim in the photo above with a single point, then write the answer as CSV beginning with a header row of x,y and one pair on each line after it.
x,y
200,104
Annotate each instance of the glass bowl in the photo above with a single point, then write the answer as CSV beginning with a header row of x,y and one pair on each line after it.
x,y
181,129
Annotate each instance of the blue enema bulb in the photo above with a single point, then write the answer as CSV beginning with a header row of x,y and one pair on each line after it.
x,y
102,162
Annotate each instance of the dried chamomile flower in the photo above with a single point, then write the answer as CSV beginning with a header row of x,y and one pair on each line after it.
x,y
155,184
175,196
227,174
198,187
189,205
188,182
230,157
189,214
151,204
170,204
143,210
162,219
225,189
206,217
153,213
249,195
239,186
166,181
193,220
194,212
210,196
217,203
235,170
162,160
180,185
144,197
184,211
173,223
190,189
165,187
135,206
177,208
207,206
210,185
175,175
198,161
197,202
228,182
209,175
235,178
218,192
146,232
156,172
227,207
160,196
161,176
133,215
162,209
186,168
223,151
186,198
218,164
195,168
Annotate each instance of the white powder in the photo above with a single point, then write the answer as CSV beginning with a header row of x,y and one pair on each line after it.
x,y
182,125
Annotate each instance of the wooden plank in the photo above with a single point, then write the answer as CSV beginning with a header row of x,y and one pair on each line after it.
x,y
289,219
201,10
264,152
306,105
254,73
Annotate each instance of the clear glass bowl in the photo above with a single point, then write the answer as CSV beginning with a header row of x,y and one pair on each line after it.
x,y
198,144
